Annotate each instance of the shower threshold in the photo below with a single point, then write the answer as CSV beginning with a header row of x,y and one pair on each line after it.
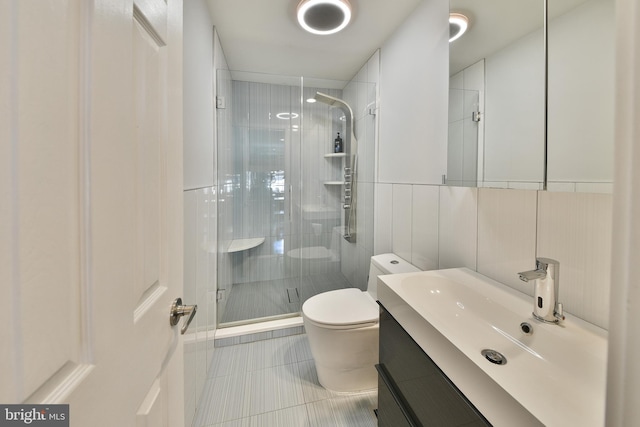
x,y
266,329
262,322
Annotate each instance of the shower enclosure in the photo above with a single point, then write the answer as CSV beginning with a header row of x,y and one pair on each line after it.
x,y
288,210
463,169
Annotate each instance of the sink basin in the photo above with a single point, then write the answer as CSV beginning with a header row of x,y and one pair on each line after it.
x,y
556,373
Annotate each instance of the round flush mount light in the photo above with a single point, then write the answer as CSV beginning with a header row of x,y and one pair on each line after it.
x,y
287,116
324,16
458,24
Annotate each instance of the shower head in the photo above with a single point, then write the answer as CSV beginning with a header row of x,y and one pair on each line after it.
x,y
326,99
335,102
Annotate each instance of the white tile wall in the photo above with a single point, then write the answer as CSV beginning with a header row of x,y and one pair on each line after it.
x,y
458,227
199,287
506,235
424,226
383,230
190,262
575,229
359,93
401,221
365,215
499,232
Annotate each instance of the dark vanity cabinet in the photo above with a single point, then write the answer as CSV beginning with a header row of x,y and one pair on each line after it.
x,y
412,390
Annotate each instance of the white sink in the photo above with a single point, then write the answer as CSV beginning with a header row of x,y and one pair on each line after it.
x,y
557,374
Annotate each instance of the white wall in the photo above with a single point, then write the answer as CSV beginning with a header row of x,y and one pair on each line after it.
x,y
413,84
199,157
623,381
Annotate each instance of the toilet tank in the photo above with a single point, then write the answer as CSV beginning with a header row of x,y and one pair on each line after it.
x,y
386,264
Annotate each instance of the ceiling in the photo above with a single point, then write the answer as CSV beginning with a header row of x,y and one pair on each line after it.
x,y
264,36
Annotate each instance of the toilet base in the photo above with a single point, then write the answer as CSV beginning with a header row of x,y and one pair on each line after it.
x,y
345,359
361,379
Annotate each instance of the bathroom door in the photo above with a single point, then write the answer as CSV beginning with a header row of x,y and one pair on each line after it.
x,y
90,208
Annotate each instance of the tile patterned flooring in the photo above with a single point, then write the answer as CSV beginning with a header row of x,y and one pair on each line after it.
x,y
273,383
269,298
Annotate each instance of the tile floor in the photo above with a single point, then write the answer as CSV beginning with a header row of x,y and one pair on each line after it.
x,y
273,383
269,298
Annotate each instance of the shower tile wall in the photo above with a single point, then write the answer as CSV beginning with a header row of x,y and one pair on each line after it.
x,y
321,203
361,93
261,162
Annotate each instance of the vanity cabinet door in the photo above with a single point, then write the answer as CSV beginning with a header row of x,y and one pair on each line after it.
x,y
428,396
393,413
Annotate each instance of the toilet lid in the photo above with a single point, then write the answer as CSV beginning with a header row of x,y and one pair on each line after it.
x,y
341,307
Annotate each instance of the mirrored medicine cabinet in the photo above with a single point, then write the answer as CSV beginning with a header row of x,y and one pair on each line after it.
x,y
525,116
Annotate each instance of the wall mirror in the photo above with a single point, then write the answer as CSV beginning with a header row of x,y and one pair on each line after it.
x,y
497,95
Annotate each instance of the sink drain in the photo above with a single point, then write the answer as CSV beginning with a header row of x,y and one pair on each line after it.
x,y
494,357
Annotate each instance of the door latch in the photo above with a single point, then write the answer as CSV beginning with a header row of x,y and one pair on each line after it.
x,y
178,310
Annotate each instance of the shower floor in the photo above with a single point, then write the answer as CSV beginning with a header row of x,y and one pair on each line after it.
x,y
277,297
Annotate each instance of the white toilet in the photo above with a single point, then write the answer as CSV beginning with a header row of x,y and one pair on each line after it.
x,y
342,327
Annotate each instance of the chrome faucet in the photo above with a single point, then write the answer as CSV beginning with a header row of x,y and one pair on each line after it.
x,y
546,280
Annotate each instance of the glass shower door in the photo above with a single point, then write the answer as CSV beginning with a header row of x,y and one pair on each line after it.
x,y
462,148
281,194
258,149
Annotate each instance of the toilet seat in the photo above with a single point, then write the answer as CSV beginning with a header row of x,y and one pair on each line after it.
x,y
342,309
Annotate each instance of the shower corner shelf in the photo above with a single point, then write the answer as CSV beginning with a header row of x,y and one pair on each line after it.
x,y
238,245
334,183
335,155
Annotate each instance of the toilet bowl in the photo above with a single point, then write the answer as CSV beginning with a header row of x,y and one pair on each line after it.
x,y
342,328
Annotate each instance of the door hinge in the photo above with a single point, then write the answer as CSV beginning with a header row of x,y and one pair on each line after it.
x,y
221,103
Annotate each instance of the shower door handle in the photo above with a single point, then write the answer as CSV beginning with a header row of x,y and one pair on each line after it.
x,y
178,310
290,202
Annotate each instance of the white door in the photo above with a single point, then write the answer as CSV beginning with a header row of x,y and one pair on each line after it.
x,y
90,208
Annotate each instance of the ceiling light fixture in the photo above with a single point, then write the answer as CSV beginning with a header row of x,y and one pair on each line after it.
x,y
287,116
458,24
324,16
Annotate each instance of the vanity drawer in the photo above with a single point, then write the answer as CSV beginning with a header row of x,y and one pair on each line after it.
x,y
393,413
427,396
